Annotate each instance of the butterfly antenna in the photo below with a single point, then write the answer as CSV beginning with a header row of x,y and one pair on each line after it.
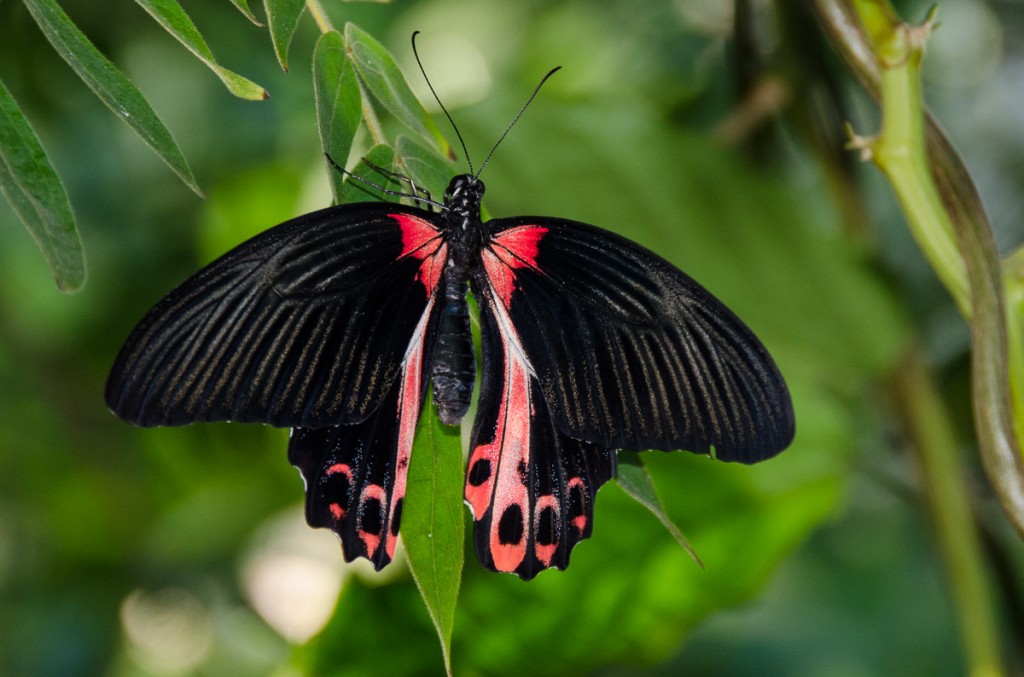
x,y
438,100
415,196
515,119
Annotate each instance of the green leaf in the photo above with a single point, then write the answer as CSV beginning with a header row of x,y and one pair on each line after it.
x,y
635,480
385,81
243,7
110,84
173,18
34,190
338,102
367,187
432,521
283,17
425,167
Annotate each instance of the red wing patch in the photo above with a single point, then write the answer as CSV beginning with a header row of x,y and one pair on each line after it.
x,y
513,248
421,239
356,474
531,488
497,481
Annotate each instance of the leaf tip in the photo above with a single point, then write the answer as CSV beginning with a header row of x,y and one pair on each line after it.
x,y
70,284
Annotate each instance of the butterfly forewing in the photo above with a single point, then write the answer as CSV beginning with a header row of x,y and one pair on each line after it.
x,y
629,352
306,324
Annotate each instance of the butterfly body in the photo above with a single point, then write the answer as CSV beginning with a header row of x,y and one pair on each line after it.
x,y
334,324
454,368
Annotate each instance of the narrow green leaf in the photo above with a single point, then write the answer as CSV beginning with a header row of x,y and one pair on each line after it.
x,y
243,7
423,166
173,18
109,84
34,190
385,81
283,17
635,480
432,521
369,173
338,102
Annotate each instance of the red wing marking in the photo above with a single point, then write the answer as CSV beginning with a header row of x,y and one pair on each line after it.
x,y
342,468
421,239
379,513
547,509
498,477
370,518
505,461
513,248
499,470
337,510
577,504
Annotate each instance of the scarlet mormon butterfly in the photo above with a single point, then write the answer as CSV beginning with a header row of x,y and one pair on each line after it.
x,y
333,324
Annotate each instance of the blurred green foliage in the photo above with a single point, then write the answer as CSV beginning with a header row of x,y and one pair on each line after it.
x,y
126,551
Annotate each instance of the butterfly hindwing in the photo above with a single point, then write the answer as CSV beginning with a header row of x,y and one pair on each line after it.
x,y
629,352
531,487
307,324
356,474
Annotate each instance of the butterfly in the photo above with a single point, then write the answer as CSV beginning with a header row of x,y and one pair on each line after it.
x,y
335,323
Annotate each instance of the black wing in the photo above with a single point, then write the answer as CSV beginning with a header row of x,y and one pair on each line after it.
x,y
631,353
356,474
306,324
531,487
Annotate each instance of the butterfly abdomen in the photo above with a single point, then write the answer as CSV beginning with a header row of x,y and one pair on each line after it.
x,y
454,367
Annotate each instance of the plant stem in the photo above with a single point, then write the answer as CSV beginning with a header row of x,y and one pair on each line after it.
x,y
873,42
316,10
949,504
948,221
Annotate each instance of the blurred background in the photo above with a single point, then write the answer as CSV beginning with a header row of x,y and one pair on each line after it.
x,y
709,131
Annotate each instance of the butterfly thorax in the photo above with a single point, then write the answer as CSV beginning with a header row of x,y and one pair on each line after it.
x,y
463,226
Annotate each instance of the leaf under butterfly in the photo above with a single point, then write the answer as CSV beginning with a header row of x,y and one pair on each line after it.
x,y
633,477
432,525
31,185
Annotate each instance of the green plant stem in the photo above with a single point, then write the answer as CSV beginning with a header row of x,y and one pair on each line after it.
x,y
899,150
316,10
940,202
948,220
370,117
995,367
949,505
1013,268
